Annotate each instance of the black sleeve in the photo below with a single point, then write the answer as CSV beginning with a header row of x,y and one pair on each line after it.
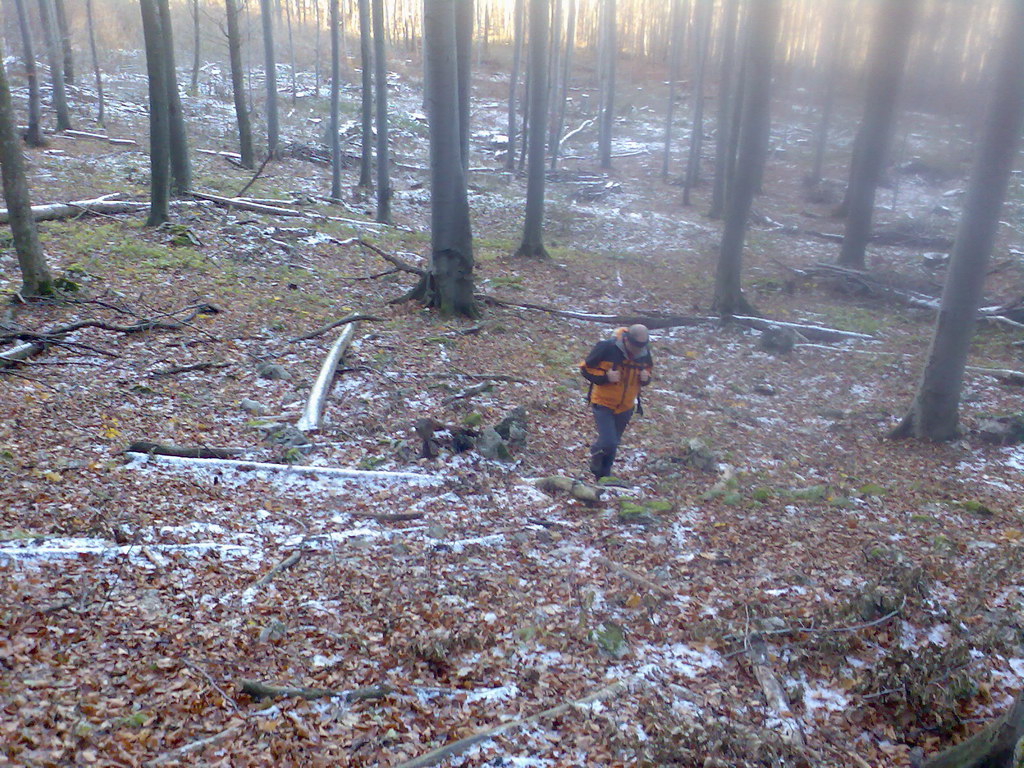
x,y
596,356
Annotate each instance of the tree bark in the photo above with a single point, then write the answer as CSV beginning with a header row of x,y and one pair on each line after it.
x,y
335,101
533,227
380,73
702,29
67,51
726,93
763,25
518,14
888,56
270,74
100,100
366,62
34,135
181,166
610,50
836,23
934,413
448,283
291,48
159,123
674,24
196,49
35,277
570,45
238,86
60,99
464,56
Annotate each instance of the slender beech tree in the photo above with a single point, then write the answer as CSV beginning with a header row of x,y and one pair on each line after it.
x,y
34,135
97,73
291,49
934,413
533,227
464,57
834,27
181,165
726,93
270,75
316,48
380,76
159,120
674,23
563,99
518,15
701,33
335,101
448,282
238,85
67,50
196,49
59,95
893,26
35,277
366,62
763,23
610,52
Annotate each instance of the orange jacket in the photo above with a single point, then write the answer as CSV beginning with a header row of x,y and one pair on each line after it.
x,y
611,355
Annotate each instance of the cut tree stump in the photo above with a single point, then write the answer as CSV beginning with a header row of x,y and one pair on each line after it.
x,y
314,411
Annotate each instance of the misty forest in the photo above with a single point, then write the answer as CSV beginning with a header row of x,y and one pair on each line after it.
x,y
323,320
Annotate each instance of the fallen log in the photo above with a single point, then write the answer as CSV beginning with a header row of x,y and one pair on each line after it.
x,y
287,469
314,410
176,755
399,263
167,449
638,579
100,137
98,207
792,732
810,332
243,205
1003,375
436,756
229,155
995,746
258,691
20,353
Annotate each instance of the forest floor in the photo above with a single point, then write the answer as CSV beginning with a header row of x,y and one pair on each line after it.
x,y
883,579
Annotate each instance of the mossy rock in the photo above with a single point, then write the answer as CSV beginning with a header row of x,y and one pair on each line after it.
x,y
610,638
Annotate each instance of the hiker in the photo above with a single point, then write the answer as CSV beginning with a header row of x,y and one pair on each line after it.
x,y
616,368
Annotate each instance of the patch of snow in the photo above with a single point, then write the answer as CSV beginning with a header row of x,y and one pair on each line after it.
x,y
822,698
45,550
503,693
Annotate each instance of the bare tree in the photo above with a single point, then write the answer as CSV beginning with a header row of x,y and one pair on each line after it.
x,y
380,76
181,166
270,74
518,14
159,120
366,62
238,85
727,88
893,27
34,135
35,276
335,102
291,49
934,413
702,30
609,52
59,95
97,73
448,282
830,77
675,35
533,227
570,44
763,26
67,50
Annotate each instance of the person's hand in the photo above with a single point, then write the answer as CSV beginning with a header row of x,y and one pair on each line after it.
x,y
645,376
613,376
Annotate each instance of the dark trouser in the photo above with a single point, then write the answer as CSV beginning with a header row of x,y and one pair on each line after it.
x,y
610,427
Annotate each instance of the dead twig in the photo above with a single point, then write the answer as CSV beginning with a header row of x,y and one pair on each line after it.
x,y
353,318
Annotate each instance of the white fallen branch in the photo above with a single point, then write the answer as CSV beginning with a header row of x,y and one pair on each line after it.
x,y
195,746
583,126
229,155
243,204
810,332
20,353
314,411
96,206
99,136
1004,375
792,733
286,469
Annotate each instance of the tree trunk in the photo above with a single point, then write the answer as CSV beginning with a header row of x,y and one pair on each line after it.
x,y
448,284
893,27
291,47
518,14
464,44
762,28
60,99
194,85
380,76
335,101
834,30
181,166
934,413
159,121
992,747
238,85
35,277
570,45
97,73
34,135
702,28
316,48
554,52
674,24
270,74
610,54
67,52
726,93
366,62
533,227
